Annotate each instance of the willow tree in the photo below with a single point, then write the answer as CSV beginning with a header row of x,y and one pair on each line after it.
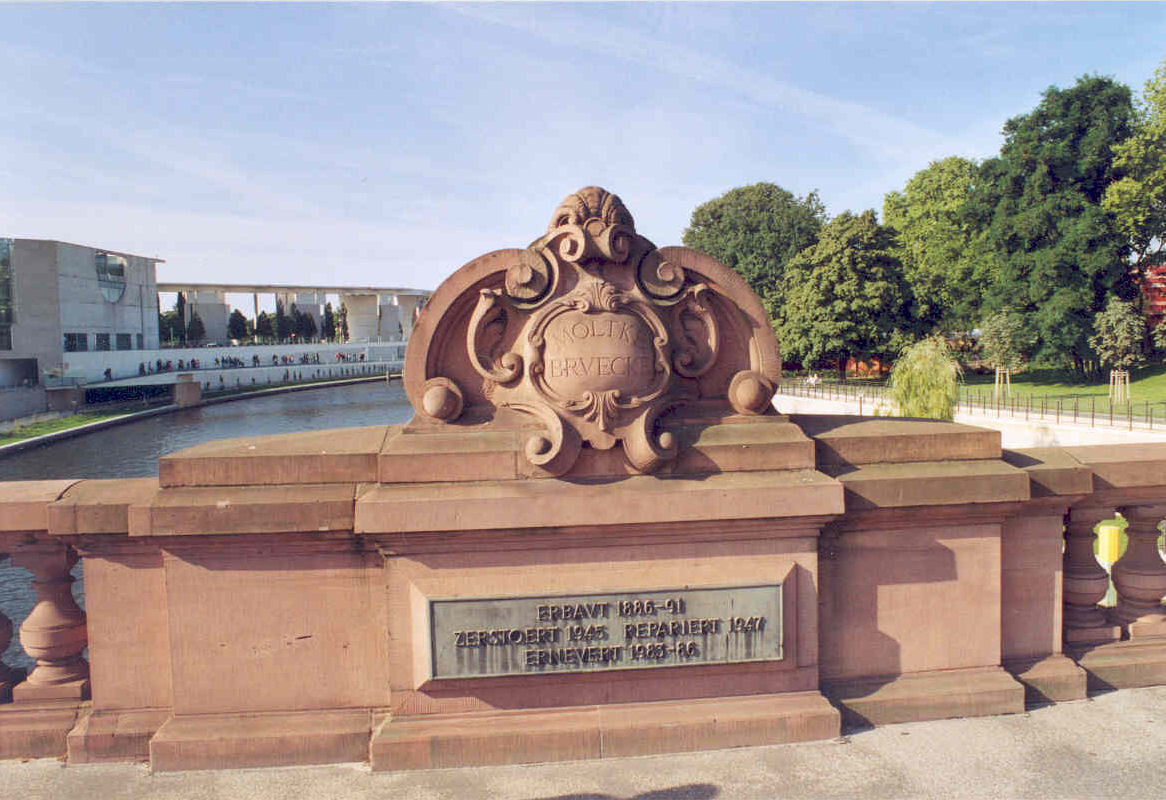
x,y
925,381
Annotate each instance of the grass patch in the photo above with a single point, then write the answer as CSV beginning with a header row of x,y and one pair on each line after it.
x,y
1043,387
1147,383
54,425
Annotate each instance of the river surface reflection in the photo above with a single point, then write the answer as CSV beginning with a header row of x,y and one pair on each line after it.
x,y
132,451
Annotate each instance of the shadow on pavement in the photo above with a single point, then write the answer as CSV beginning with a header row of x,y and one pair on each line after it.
x,y
691,791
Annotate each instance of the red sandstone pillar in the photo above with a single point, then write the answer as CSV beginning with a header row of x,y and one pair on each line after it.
x,y
54,633
1085,581
1140,575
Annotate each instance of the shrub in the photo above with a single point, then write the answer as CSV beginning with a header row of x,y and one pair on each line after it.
x,y
925,380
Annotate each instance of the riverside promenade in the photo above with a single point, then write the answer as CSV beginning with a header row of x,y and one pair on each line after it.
x,y
1110,745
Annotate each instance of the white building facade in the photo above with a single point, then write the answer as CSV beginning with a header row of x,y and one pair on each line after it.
x,y
57,299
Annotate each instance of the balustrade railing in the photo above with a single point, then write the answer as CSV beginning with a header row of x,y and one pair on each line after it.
x,y
1138,577
53,634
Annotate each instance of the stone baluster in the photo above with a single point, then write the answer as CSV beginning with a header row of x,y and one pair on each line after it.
x,y
1085,581
1139,576
54,634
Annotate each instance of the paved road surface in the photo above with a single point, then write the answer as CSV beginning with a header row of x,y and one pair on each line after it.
x,y
1113,745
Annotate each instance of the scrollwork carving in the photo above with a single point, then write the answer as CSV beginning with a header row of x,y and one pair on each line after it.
x,y
488,326
557,446
659,279
695,354
646,450
593,331
529,279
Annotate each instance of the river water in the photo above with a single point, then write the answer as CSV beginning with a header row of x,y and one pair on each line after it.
x,y
132,450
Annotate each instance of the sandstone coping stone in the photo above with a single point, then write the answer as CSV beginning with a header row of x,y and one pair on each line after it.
x,y
487,505
99,506
346,455
1052,472
24,504
933,483
842,440
322,508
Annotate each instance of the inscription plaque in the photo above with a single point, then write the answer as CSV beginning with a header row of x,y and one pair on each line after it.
x,y
486,637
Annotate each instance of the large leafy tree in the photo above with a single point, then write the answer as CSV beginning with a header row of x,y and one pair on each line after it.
x,y
756,230
846,295
1057,253
940,244
1138,199
238,326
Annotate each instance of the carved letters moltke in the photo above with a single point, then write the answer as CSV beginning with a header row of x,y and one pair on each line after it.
x,y
585,633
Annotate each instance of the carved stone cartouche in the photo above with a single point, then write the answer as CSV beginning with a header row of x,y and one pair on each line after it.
x,y
593,333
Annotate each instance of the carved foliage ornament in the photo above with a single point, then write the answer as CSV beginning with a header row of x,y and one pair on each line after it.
x,y
593,334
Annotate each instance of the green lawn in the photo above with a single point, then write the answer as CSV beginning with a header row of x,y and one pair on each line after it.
x,y
54,425
1148,383
1035,386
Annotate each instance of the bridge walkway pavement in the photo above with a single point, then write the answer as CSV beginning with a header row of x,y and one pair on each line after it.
x,y
1111,745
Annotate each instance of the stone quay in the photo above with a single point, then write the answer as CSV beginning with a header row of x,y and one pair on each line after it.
x,y
595,538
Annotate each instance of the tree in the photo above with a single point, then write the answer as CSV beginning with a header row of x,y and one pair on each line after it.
x,y
1058,253
195,331
264,328
283,325
343,322
168,330
329,323
1137,200
1159,337
305,326
925,380
1119,333
939,242
238,326
756,230
180,307
1002,340
845,295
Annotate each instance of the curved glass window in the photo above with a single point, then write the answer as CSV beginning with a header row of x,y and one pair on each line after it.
x,y
111,275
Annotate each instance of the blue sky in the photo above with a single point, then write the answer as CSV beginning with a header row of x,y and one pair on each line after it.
x,y
388,144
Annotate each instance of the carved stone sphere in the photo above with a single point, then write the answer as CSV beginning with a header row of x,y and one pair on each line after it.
x,y
442,401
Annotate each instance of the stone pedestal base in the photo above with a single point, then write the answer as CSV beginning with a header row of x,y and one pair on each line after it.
x,y
1147,629
1083,637
35,693
114,736
1053,679
523,737
230,741
1123,665
37,730
985,691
